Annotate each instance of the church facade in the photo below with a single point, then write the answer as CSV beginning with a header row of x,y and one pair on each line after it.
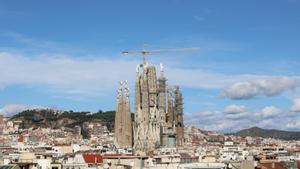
x,y
158,113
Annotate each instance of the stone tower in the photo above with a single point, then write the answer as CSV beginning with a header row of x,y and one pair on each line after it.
x,y
169,130
162,85
178,109
123,127
170,113
147,116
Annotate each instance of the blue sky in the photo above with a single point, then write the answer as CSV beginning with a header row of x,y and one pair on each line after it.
x,y
67,55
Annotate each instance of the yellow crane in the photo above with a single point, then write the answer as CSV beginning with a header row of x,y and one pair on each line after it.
x,y
145,52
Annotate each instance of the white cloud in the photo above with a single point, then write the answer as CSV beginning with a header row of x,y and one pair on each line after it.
x,y
63,74
196,118
236,117
295,124
12,109
231,119
270,111
224,125
235,112
296,105
234,109
73,76
266,86
269,123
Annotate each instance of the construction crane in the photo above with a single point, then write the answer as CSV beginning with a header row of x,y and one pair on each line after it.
x,y
145,52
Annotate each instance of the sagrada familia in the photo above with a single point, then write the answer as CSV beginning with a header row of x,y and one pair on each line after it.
x,y
158,112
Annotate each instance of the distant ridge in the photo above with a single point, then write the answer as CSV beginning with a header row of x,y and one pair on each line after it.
x,y
269,133
49,118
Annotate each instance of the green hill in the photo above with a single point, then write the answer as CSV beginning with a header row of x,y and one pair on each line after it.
x,y
55,119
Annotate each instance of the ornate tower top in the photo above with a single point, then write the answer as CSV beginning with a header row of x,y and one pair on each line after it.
x,y
161,68
137,69
119,91
126,89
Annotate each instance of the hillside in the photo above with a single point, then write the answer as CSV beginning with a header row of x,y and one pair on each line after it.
x,y
56,119
269,133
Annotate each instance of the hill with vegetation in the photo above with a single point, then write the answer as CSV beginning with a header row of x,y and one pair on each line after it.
x,y
56,119
269,133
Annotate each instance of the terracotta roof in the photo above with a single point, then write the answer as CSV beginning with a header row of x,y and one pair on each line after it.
x,y
21,139
92,158
272,165
298,163
115,155
62,145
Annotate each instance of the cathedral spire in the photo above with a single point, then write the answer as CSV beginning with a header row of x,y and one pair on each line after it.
x,y
126,90
123,128
119,91
161,69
